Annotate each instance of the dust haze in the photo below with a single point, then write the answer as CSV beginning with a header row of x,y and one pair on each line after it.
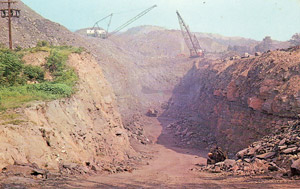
x,y
145,106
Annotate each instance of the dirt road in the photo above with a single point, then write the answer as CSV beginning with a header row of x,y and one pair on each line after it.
x,y
171,167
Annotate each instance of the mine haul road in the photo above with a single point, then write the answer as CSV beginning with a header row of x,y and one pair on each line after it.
x,y
173,167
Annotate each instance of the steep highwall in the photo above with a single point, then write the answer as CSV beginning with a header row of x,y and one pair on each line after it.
x,y
233,103
84,128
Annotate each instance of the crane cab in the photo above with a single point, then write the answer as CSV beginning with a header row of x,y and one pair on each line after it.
x,y
100,33
196,53
200,52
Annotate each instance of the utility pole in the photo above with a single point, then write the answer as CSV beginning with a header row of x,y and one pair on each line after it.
x,y
9,13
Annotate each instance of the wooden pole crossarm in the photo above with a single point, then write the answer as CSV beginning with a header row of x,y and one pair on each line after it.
x,y
9,13
14,13
8,2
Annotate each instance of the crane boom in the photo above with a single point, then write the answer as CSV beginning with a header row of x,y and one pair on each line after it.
x,y
96,24
132,20
96,31
190,40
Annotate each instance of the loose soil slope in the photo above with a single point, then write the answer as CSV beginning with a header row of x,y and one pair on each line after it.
x,y
81,131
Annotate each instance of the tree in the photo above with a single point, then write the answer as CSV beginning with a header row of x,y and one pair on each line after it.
x,y
295,40
265,45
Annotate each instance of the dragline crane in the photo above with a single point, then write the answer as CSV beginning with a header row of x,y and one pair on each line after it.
x,y
96,31
190,39
132,20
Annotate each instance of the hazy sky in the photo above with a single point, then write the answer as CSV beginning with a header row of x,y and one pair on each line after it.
x,y
247,18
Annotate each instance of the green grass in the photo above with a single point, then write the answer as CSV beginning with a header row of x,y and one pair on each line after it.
x,y
16,92
65,50
9,116
15,96
13,122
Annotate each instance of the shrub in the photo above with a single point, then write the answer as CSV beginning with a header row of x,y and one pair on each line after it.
x,y
295,40
13,76
42,44
52,88
18,48
68,77
79,50
34,73
56,61
10,68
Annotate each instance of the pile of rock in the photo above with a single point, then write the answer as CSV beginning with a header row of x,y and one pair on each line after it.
x,y
134,125
234,167
26,170
188,132
152,113
279,151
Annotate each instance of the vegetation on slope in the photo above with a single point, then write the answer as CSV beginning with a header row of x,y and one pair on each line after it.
x,y
21,83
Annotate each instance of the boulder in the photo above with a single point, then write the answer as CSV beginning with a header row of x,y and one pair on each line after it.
x,y
272,168
216,155
255,103
242,153
282,147
282,142
290,150
246,55
295,167
267,155
152,113
258,54
24,170
253,150
229,162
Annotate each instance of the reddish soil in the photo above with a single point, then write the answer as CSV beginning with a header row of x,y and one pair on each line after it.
x,y
172,167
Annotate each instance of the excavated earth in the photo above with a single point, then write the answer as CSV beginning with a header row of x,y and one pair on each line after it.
x,y
232,103
82,141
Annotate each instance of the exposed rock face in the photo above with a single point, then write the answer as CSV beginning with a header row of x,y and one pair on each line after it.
x,y
239,100
85,130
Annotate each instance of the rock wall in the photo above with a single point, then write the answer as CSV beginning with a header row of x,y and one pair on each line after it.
x,y
85,129
233,103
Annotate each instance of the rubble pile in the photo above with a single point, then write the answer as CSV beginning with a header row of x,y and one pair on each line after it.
x,y
134,125
277,152
25,170
188,133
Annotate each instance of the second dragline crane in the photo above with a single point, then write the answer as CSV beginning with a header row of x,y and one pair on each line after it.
x,y
190,39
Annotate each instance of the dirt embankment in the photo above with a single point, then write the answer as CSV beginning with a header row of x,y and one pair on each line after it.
x,y
82,131
233,103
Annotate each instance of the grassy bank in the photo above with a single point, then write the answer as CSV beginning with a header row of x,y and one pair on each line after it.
x,y
21,83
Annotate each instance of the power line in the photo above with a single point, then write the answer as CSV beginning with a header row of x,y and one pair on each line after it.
x,y
130,11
